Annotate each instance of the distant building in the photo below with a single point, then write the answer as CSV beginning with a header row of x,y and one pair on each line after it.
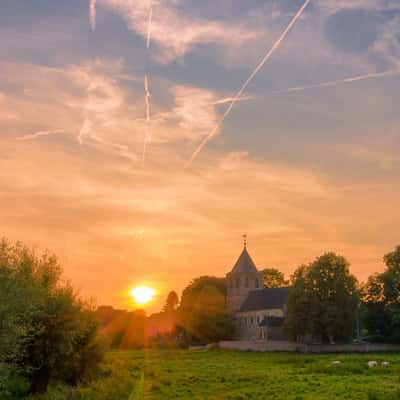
x,y
258,313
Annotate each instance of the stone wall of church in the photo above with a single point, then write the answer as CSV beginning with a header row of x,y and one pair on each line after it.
x,y
247,324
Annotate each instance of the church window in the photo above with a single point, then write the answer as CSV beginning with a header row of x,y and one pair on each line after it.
x,y
256,283
247,282
251,320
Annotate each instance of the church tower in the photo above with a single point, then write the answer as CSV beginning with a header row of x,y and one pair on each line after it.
x,y
243,279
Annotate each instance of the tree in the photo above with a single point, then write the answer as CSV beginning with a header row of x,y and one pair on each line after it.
x,y
297,323
46,331
202,316
274,278
381,301
172,302
191,292
324,299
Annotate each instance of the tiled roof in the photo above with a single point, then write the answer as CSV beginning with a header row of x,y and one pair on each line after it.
x,y
265,299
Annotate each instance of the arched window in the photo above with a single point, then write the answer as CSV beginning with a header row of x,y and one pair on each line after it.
x,y
251,320
237,283
256,283
246,282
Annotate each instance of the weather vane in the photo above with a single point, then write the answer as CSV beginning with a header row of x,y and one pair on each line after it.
x,y
245,240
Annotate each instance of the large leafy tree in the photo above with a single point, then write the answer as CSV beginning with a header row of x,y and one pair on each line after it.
x,y
323,301
381,300
202,316
273,278
46,331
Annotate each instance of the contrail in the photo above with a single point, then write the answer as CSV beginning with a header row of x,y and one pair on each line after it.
x,y
35,135
247,82
230,99
338,82
147,136
147,94
92,14
149,26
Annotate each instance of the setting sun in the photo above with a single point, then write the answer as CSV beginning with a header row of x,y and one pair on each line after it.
x,y
142,295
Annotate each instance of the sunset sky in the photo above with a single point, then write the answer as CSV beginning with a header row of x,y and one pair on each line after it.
x,y
301,172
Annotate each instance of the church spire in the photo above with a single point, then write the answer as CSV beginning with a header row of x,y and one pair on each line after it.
x,y
245,241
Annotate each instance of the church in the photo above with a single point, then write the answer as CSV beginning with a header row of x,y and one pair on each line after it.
x,y
258,313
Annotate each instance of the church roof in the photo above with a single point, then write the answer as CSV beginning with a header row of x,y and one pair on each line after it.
x,y
244,263
265,299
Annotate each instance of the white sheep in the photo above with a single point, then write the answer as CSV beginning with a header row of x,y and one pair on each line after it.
x,y
372,364
385,364
336,363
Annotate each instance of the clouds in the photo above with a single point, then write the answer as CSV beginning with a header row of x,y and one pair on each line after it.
x,y
94,108
175,32
300,173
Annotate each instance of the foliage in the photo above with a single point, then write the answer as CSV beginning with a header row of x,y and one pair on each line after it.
x,y
192,291
46,331
323,300
202,315
381,300
274,278
223,375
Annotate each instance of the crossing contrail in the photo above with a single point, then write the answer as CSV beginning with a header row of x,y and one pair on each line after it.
x,y
92,14
338,82
147,136
247,82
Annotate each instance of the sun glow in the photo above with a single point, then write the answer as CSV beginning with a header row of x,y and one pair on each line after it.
x,y
142,295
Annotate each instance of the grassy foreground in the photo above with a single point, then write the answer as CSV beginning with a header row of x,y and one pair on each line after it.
x,y
216,375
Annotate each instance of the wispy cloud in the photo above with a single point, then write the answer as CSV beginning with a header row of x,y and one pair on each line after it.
x,y
85,130
174,31
247,82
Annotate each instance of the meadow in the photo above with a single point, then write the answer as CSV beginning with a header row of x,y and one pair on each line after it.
x,y
229,375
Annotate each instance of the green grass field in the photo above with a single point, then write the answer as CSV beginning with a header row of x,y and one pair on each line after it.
x,y
162,375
